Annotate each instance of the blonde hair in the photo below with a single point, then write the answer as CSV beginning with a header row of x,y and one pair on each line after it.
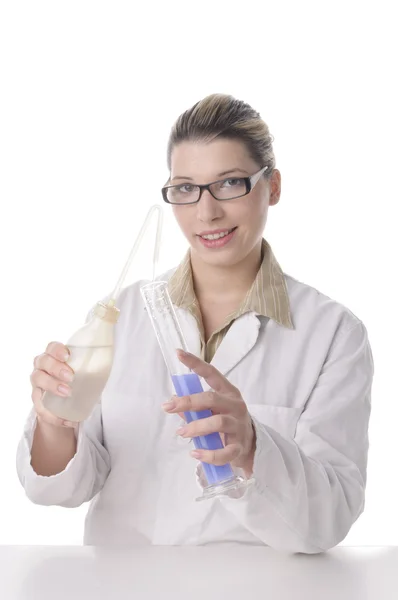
x,y
223,116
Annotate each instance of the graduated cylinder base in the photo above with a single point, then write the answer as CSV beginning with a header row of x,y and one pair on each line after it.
x,y
227,488
221,479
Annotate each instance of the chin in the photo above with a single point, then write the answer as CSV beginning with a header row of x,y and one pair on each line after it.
x,y
224,258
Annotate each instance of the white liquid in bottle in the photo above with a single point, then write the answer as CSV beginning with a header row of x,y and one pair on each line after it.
x,y
91,347
91,357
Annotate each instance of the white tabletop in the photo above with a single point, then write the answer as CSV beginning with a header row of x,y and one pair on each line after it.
x,y
193,573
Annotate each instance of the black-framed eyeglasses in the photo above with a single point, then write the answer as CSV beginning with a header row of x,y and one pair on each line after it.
x,y
224,189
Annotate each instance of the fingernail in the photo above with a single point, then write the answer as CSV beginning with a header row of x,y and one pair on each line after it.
x,y
64,356
67,375
69,424
181,431
183,353
65,390
169,405
196,453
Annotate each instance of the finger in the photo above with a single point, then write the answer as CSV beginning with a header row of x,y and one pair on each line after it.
x,y
214,378
58,351
214,424
37,395
54,367
50,419
46,382
202,401
218,457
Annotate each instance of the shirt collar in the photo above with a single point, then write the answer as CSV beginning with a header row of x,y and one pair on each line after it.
x,y
267,296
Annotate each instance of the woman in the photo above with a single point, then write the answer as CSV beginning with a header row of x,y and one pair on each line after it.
x,y
290,372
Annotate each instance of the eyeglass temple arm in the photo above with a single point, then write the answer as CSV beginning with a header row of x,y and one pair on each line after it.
x,y
254,178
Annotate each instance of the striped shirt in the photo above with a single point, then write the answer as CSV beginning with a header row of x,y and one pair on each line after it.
x,y
267,296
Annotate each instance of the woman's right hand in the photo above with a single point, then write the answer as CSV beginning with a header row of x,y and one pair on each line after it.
x,y
51,374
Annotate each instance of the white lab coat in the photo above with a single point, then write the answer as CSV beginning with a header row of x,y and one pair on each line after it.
x,y
308,390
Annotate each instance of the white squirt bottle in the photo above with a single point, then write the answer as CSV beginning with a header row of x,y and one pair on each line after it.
x,y
91,347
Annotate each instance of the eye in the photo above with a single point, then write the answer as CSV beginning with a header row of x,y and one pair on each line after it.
x,y
232,182
185,188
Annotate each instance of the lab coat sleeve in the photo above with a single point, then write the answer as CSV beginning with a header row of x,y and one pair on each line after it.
x,y
84,475
309,490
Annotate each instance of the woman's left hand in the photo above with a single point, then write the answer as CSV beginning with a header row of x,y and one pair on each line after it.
x,y
230,417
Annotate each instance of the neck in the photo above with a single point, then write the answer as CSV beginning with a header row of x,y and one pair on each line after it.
x,y
215,284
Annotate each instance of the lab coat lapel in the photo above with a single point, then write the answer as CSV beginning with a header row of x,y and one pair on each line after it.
x,y
190,330
239,340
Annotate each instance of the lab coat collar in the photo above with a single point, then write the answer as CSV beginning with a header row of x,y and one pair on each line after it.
x,y
237,343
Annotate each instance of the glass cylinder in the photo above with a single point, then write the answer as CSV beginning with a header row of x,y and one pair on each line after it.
x,y
220,479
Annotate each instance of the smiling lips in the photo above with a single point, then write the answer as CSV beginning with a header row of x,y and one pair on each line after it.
x,y
216,238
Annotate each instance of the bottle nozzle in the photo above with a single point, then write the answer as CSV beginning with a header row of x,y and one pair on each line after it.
x,y
154,208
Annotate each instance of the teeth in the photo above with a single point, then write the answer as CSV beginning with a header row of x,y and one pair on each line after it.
x,y
216,236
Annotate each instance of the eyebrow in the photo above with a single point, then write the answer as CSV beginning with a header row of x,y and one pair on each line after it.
x,y
219,175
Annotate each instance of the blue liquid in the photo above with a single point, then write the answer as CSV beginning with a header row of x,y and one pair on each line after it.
x,y
188,384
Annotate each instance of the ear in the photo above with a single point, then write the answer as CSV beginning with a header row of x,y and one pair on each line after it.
x,y
275,187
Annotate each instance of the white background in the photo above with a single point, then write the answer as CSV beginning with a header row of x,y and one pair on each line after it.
x,y
89,91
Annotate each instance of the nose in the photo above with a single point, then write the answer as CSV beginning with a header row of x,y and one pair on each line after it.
x,y
208,208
